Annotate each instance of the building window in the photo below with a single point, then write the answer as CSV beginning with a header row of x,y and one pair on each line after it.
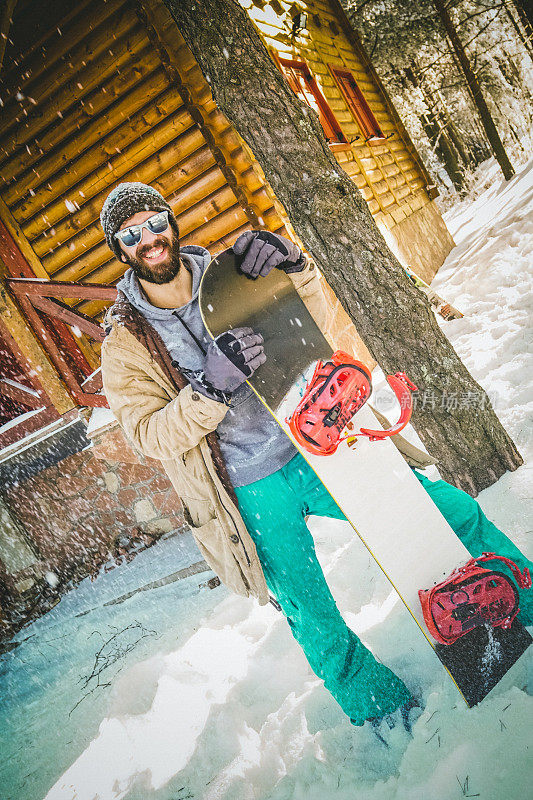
x,y
357,104
303,84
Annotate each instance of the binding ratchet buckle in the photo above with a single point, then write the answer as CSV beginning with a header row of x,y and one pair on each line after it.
x,y
336,391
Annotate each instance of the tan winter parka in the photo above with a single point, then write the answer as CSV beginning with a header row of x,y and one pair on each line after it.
x,y
171,425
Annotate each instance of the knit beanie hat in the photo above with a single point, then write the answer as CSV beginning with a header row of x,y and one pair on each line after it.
x,y
123,202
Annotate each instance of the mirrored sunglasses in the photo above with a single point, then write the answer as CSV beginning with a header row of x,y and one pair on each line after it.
x,y
133,235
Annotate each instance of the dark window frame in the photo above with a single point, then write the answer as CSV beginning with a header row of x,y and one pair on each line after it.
x,y
293,69
356,102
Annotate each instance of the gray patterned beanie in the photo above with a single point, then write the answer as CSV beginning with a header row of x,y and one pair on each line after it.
x,y
123,202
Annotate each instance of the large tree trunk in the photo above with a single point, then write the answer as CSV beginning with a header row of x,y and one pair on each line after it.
x,y
484,113
523,30
438,137
525,9
453,415
441,144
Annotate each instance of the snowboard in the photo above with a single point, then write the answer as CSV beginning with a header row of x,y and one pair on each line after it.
x,y
371,482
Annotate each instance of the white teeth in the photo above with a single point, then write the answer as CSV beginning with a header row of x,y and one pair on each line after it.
x,y
154,253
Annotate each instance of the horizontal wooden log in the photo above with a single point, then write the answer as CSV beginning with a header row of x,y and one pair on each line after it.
x,y
196,158
33,215
271,221
382,187
95,309
385,160
368,165
62,312
73,31
91,76
28,426
84,123
397,146
218,228
36,287
20,395
401,192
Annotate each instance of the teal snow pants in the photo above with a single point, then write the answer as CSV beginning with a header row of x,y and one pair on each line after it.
x,y
274,511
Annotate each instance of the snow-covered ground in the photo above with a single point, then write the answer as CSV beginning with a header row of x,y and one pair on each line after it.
x,y
223,706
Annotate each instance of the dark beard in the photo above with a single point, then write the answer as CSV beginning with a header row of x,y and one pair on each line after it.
x,y
159,273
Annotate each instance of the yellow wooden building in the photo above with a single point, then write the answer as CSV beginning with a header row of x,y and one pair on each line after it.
x,y
104,91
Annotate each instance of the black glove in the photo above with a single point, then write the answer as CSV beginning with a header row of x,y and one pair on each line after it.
x,y
232,357
261,251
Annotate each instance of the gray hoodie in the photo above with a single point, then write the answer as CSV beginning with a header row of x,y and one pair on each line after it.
x,y
252,443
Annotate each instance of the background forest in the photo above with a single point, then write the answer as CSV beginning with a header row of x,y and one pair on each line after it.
x,y
415,59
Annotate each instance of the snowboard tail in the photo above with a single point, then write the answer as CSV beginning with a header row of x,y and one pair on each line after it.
x,y
382,500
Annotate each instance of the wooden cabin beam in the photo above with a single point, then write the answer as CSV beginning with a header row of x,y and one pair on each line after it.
x,y
23,396
60,311
21,260
5,24
57,46
31,355
35,286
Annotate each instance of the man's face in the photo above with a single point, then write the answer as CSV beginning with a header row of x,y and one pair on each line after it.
x,y
156,258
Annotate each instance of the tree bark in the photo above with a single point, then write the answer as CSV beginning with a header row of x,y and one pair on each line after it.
x,y
482,107
437,135
524,32
525,9
453,415
440,142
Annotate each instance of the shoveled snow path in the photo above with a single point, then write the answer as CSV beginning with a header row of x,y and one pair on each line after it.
x,y
234,712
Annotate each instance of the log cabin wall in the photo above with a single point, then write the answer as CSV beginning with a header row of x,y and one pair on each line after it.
x,y
388,172
106,92
99,105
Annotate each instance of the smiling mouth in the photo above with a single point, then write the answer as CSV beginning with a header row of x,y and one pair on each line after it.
x,y
154,253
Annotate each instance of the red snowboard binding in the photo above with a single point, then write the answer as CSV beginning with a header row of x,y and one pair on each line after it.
x,y
336,391
472,596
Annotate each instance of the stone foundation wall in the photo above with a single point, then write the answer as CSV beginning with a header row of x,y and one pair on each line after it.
x,y
92,508
423,241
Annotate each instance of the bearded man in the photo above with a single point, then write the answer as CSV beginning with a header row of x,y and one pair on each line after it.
x,y
182,398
